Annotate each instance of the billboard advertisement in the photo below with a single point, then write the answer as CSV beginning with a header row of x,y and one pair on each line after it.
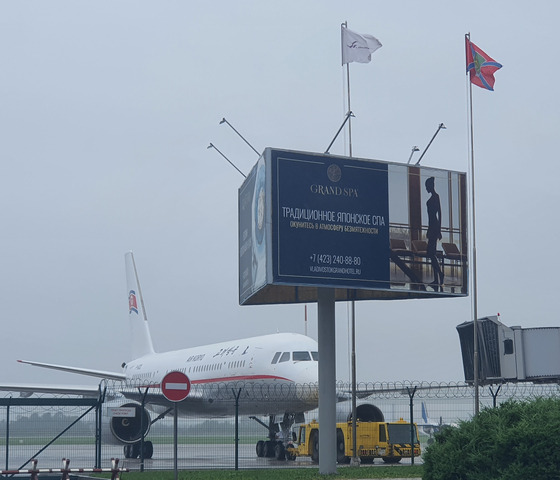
x,y
368,228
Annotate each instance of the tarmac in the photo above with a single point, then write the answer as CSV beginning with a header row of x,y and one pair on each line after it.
x,y
191,457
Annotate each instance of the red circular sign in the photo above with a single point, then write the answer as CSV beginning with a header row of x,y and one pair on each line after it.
x,y
175,386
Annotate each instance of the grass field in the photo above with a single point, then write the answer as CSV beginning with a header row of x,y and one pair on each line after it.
x,y
345,473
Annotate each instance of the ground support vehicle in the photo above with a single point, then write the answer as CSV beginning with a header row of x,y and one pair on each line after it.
x,y
389,441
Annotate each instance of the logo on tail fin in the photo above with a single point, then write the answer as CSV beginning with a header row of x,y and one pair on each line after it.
x,y
132,304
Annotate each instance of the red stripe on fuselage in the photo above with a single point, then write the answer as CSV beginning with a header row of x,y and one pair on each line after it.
x,y
241,377
228,379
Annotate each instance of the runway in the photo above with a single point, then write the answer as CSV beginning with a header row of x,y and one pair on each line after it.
x,y
189,457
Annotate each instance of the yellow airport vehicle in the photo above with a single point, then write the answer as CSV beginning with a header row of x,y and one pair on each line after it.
x,y
389,441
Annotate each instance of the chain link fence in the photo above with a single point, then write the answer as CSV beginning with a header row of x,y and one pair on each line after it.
x,y
50,428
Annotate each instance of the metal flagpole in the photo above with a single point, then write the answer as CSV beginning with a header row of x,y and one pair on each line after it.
x,y
355,461
345,25
474,284
349,110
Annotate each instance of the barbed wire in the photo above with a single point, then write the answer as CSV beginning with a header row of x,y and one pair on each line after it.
x,y
223,391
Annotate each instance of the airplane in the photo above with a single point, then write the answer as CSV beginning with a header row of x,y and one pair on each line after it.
x,y
430,426
274,375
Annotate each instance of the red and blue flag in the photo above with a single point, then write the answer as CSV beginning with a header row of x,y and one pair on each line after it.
x,y
481,66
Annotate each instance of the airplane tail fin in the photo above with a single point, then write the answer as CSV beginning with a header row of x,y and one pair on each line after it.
x,y
141,338
424,413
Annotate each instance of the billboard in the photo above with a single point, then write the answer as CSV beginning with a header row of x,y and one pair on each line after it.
x,y
368,228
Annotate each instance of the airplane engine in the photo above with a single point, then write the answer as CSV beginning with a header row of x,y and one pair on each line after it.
x,y
366,412
119,430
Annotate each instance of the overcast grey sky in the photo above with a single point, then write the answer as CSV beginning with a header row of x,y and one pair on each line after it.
x,y
106,111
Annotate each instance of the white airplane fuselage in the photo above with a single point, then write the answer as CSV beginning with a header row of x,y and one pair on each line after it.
x,y
276,373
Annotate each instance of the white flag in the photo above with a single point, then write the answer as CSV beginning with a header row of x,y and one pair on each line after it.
x,y
358,47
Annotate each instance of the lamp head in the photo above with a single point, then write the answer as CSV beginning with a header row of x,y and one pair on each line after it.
x,y
223,120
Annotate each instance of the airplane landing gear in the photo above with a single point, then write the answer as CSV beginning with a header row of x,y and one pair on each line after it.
x,y
271,449
275,446
132,450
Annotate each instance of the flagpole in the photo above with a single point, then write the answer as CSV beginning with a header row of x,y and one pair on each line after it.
x,y
345,25
474,282
355,460
349,109
371,44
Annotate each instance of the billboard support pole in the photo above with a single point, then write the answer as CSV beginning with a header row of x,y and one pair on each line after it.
x,y
327,380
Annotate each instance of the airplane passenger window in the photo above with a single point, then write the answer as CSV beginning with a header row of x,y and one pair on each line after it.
x,y
301,357
315,356
285,357
276,357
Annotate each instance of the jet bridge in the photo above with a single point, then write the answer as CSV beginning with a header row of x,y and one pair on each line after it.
x,y
510,354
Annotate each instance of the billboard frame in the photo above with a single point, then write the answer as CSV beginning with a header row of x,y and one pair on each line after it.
x,y
295,206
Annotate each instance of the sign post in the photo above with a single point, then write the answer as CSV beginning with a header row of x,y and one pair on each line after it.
x,y
175,386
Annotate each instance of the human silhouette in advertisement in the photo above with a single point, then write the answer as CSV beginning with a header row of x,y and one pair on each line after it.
x,y
434,232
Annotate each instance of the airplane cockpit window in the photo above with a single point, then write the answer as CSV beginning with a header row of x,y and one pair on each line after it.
x,y
301,356
315,356
276,357
285,357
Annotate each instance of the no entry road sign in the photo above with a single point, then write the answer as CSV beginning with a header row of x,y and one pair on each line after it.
x,y
175,386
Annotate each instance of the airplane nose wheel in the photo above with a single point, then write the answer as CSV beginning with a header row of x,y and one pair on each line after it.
x,y
260,448
132,450
148,449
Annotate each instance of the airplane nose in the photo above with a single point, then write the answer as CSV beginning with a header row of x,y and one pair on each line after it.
x,y
309,372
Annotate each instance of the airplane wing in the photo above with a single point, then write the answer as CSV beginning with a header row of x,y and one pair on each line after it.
x,y
156,398
26,390
81,371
